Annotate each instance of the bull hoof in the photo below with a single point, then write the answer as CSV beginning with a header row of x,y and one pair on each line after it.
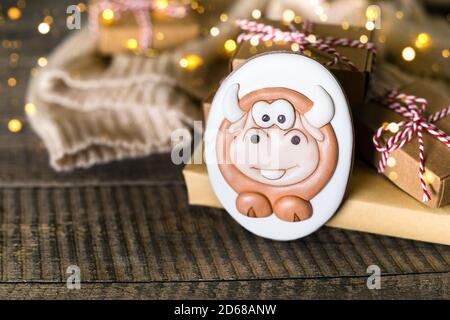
x,y
292,209
253,205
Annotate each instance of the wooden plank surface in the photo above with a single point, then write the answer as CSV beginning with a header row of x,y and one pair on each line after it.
x,y
427,286
129,229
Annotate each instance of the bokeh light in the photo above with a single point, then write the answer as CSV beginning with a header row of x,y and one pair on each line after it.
x,y
14,125
408,54
44,28
230,45
14,13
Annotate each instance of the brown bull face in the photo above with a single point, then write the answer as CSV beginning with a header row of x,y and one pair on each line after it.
x,y
274,155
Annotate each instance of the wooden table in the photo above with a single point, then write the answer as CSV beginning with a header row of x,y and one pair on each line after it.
x,y
130,230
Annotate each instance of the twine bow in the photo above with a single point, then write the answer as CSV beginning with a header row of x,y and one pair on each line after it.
x,y
264,32
141,10
412,108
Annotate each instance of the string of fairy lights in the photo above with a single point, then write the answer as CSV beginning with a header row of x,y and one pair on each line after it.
x,y
190,62
14,14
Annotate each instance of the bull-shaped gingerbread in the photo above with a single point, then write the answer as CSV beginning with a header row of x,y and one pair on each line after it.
x,y
276,149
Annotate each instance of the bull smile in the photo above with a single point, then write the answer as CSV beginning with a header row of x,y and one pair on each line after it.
x,y
273,174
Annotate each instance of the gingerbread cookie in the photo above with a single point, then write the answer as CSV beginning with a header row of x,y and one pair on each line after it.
x,y
279,145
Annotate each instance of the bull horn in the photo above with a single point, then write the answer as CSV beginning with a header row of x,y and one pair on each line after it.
x,y
231,109
323,108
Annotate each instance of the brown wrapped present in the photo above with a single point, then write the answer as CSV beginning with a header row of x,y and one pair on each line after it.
x,y
372,205
353,81
121,32
402,165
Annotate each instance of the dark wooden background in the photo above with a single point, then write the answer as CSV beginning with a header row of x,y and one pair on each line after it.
x,y
129,228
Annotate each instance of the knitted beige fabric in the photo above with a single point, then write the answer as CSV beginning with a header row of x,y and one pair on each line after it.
x,y
86,115
89,111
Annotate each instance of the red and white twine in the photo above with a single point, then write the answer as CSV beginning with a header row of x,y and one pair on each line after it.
x,y
412,108
264,32
141,10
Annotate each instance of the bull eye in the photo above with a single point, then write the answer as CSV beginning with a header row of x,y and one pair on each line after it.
x,y
265,118
255,138
281,118
295,140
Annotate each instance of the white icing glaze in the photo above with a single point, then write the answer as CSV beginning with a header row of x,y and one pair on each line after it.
x,y
311,79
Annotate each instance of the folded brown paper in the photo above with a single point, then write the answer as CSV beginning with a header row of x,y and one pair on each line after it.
x,y
354,83
372,205
404,166
167,32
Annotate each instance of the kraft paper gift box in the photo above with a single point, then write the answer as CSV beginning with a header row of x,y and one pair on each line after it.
x,y
403,167
372,204
167,32
354,83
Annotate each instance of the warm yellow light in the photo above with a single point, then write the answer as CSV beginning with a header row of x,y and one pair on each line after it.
x,y
160,36
14,13
370,25
445,53
194,5
423,37
288,15
201,9
345,25
422,40
254,41
108,15
183,63
382,38
132,44
30,109
44,28
391,162
297,19
323,17
307,53
13,57
256,14
363,39
230,45
399,14
42,61
393,175
81,6
393,127
48,19
312,38
295,47
408,54
12,82
428,177
372,13
162,4
14,125
214,31
318,10
190,62
223,17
